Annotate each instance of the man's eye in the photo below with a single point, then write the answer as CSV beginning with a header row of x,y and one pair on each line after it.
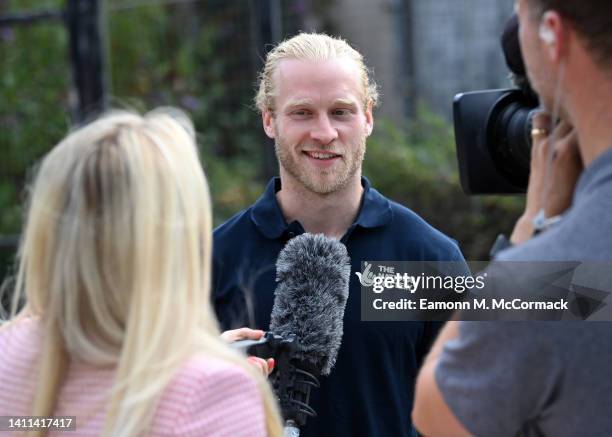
x,y
300,113
341,112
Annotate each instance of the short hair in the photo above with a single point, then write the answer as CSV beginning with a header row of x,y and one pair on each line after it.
x,y
592,20
311,47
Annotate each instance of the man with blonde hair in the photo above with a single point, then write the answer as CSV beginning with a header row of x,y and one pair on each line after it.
x,y
316,100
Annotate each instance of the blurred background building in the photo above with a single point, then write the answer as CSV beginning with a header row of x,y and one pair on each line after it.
x,y
426,51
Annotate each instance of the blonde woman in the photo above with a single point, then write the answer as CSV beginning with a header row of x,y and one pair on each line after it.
x,y
114,268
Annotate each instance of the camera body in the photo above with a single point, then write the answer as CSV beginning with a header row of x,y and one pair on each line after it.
x,y
493,127
493,139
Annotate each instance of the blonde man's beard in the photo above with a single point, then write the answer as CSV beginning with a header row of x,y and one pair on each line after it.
x,y
321,181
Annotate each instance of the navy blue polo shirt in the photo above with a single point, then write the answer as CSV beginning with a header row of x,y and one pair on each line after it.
x,y
370,390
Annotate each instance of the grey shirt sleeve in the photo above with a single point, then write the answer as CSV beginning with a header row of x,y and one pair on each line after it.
x,y
498,377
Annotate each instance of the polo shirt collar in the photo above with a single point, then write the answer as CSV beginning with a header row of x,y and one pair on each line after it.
x,y
266,214
375,208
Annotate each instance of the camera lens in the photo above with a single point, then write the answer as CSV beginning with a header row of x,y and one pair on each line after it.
x,y
509,136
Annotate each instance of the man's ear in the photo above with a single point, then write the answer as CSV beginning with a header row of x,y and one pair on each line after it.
x,y
267,119
553,33
369,116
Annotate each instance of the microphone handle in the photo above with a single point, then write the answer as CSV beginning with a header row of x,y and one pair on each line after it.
x,y
291,429
245,344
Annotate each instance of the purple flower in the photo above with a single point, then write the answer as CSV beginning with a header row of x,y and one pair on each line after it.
x,y
190,102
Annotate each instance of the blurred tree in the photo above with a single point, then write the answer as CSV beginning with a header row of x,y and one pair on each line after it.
x,y
195,56
417,167
34,91
203,57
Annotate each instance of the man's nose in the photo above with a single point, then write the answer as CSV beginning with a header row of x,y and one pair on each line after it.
x,y
323,131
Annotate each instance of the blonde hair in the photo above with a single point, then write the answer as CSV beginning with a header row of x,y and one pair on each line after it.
x,y
116,262
314,47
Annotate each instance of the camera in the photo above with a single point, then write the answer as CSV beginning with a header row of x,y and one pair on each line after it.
x,y
493,129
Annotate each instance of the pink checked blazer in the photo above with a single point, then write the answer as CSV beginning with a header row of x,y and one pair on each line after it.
x,y
206,397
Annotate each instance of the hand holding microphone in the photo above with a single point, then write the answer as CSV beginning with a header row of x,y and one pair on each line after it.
x,y
266,366
312,272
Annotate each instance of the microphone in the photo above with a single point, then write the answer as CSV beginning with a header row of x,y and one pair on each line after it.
x,y
312,273
306,324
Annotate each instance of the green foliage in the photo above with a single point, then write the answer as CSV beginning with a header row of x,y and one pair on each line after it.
x,y
417,167
34,77
234,184
200,56
34,80
180,57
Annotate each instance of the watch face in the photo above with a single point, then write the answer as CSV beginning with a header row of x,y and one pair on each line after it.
x,y
541,223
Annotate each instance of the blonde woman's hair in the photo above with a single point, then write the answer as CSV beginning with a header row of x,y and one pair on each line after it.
x,y
313,47
116,262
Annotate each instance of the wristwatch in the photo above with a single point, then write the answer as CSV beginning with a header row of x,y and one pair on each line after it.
x,y
542,223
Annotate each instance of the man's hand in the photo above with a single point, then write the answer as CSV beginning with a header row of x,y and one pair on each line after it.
x,y
555,168
265,366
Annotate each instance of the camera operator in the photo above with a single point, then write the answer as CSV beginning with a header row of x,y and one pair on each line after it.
x,y
543,378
